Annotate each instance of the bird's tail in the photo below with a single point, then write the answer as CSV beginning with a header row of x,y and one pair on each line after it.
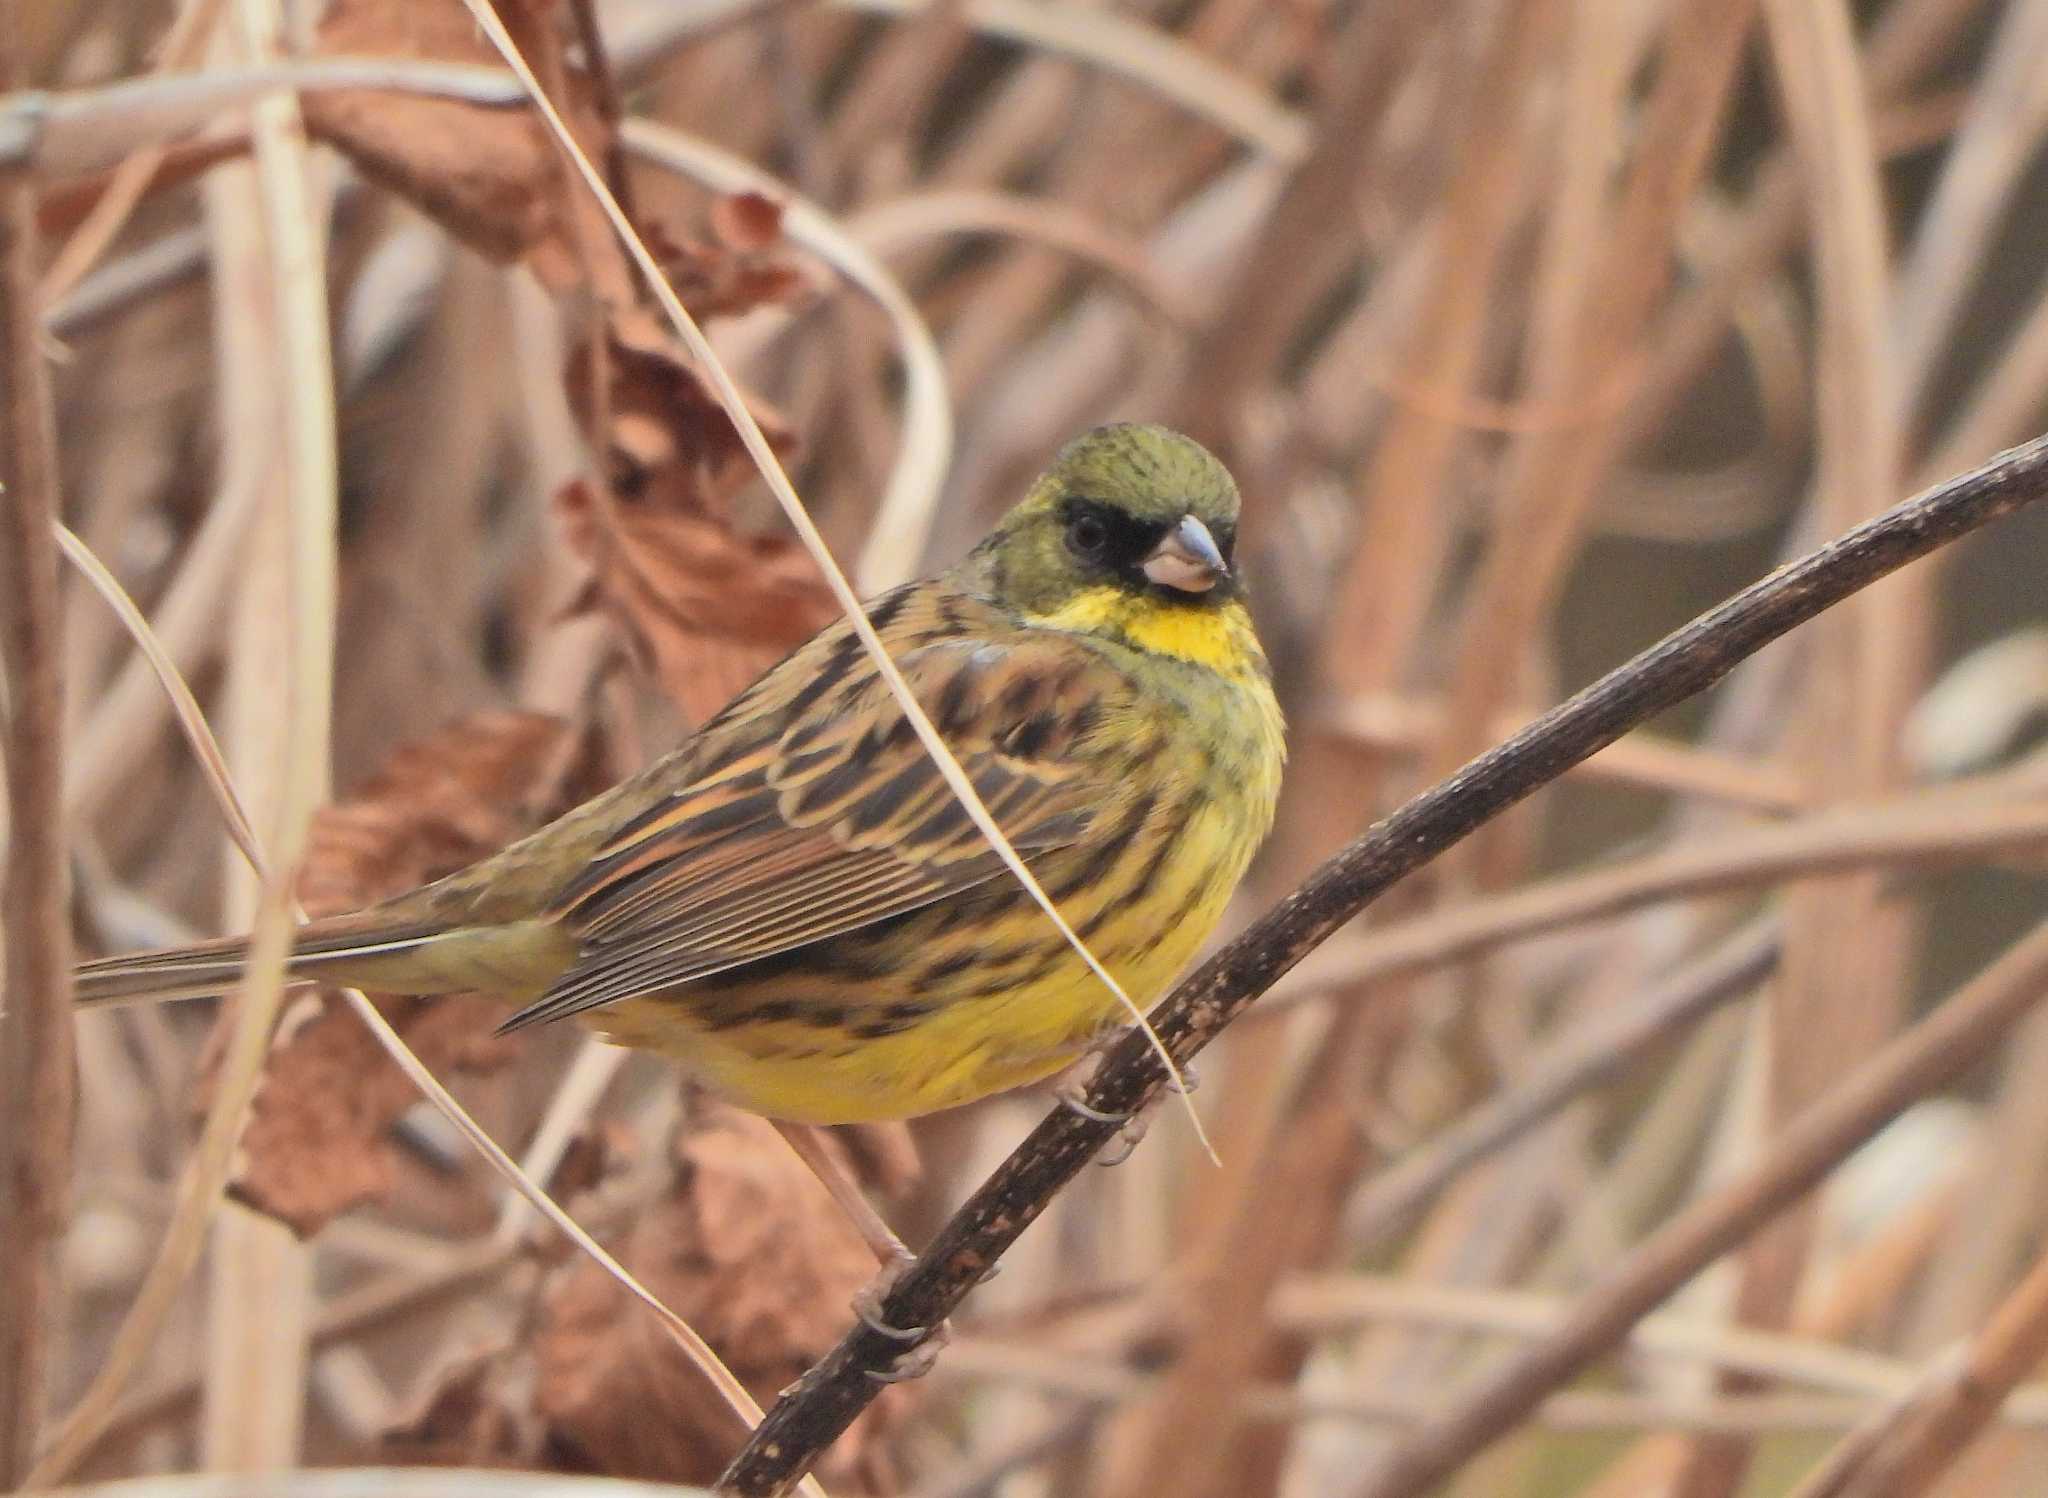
x,y
343,952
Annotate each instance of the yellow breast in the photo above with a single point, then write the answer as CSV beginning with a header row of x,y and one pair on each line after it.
x,y
1220,639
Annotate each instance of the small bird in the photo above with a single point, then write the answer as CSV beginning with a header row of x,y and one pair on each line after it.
x,y
795,906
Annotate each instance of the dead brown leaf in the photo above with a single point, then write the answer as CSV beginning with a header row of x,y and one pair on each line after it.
x,y
704,609
672,445
747,1248
746,267
746,220
316,1142
492,177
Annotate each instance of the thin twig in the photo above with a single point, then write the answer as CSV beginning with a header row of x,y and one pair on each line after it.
x,y
1847,1458
277,400
604,87
36,1039
88,130
827,1398
1328,1302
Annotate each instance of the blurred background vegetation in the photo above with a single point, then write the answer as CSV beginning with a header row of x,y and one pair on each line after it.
x,y
1530,327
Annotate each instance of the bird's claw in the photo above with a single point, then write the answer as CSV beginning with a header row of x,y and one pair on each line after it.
x,y
911,1364
1073,1096
914,1361
1128,1138
1130,1127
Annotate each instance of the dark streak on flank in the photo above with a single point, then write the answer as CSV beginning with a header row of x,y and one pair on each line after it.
x,y
836,958
1139,889
946,967
1103,857
890,1019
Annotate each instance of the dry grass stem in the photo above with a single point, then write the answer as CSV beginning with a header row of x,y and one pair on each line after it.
x,y
37,1085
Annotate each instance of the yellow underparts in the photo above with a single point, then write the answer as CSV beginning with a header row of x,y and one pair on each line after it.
x,y
971,1044
1219,637
968,1046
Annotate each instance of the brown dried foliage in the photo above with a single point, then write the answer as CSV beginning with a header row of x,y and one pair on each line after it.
x,y
667,580
491,177
744,1244
701,606
747,1248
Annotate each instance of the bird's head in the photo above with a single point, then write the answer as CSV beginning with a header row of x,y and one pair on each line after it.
x,y
1127,516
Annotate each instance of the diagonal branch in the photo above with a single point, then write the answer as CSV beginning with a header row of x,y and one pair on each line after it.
x,y
827,1398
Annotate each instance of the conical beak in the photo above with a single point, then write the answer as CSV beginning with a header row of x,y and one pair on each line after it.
x,y
1187,559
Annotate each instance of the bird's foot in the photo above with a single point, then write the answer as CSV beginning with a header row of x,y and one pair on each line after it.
x,y
1073,1095
916,1360
1130,1127
1128,1138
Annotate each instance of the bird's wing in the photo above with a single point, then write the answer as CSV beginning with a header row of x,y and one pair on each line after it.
x,y
817,809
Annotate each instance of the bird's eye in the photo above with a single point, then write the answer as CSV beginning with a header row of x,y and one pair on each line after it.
x,y
1087,536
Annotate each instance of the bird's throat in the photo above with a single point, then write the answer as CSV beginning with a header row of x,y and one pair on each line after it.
x,y
1216,635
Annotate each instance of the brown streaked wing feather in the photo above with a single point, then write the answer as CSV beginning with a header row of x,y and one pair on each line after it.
x,y
817,812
